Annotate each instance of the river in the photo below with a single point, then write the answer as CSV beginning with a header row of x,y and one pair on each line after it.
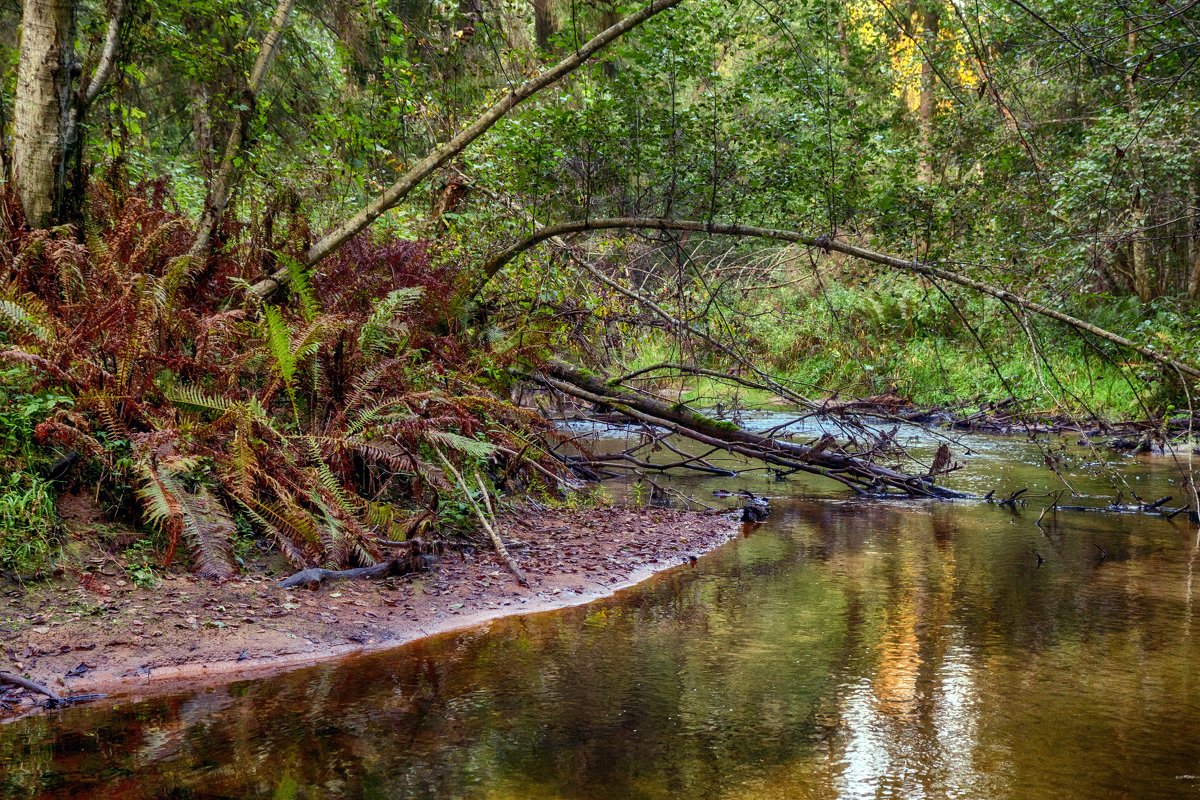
x,y
844,649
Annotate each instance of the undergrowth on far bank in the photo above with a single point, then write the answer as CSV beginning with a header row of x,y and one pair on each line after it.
x,y
898,336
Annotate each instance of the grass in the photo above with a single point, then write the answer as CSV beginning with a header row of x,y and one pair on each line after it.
x,y
29,526
28,523
877,338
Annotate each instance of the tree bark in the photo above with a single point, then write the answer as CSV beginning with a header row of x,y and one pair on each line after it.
x,y
48,114
926,108
543,22
74,173
497,262
42,108
441,155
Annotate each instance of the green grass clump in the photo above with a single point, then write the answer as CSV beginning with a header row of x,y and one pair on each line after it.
x,y
28,523
29,527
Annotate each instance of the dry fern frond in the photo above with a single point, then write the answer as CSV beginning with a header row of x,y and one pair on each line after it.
x,y
191,512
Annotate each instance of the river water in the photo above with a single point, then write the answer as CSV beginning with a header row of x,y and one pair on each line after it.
x,y
841,650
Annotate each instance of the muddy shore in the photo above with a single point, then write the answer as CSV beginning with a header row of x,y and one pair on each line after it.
x,y
99,633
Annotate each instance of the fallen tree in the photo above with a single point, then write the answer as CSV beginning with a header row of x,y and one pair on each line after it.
x,y
313,577
856,472
439,156
828,244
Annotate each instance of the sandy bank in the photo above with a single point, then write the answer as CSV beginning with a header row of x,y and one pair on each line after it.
x,y
98,633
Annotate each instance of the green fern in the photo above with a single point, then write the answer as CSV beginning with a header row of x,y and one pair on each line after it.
x,y
381,334
279,342
472,448
26,314
300,283
189,398
159,503
370,415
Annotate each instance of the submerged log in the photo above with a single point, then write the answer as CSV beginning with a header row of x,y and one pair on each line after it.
x,y
856,473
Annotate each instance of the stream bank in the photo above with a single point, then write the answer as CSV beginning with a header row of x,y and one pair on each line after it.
x,y
103,634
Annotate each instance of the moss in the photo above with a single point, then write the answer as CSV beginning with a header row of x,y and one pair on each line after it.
x,y
701,420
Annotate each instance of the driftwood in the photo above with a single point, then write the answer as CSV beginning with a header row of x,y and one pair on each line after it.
x,y
33,686
313,577
854,472
1156,508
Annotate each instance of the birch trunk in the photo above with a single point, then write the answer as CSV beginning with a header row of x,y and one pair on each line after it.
x,y
42,108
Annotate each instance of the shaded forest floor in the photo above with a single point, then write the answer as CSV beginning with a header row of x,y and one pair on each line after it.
x,y
97,632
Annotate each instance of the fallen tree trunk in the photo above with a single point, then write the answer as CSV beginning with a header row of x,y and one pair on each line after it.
x,y
856,473
828,244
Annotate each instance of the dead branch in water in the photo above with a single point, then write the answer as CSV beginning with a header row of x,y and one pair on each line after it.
x,y
856,473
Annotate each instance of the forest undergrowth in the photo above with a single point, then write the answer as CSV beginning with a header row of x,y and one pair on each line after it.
x,y
891,336
322,425
359,411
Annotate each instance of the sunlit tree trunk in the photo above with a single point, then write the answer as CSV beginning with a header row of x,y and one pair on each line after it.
x,y
925,104
42,108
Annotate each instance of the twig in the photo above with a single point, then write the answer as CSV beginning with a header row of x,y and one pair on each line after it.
x,y
1053,505
497,542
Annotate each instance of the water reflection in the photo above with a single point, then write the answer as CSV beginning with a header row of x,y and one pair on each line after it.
x,y
841,651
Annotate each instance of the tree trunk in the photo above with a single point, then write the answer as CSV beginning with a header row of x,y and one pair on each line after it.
x,y
1193,248
1144,279
543,22
926,103
42,108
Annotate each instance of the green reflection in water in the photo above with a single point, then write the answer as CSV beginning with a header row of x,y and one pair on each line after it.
x,y
843,650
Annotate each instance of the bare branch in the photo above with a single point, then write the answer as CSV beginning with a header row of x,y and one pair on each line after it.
x,y
108,56
828,244
222,186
